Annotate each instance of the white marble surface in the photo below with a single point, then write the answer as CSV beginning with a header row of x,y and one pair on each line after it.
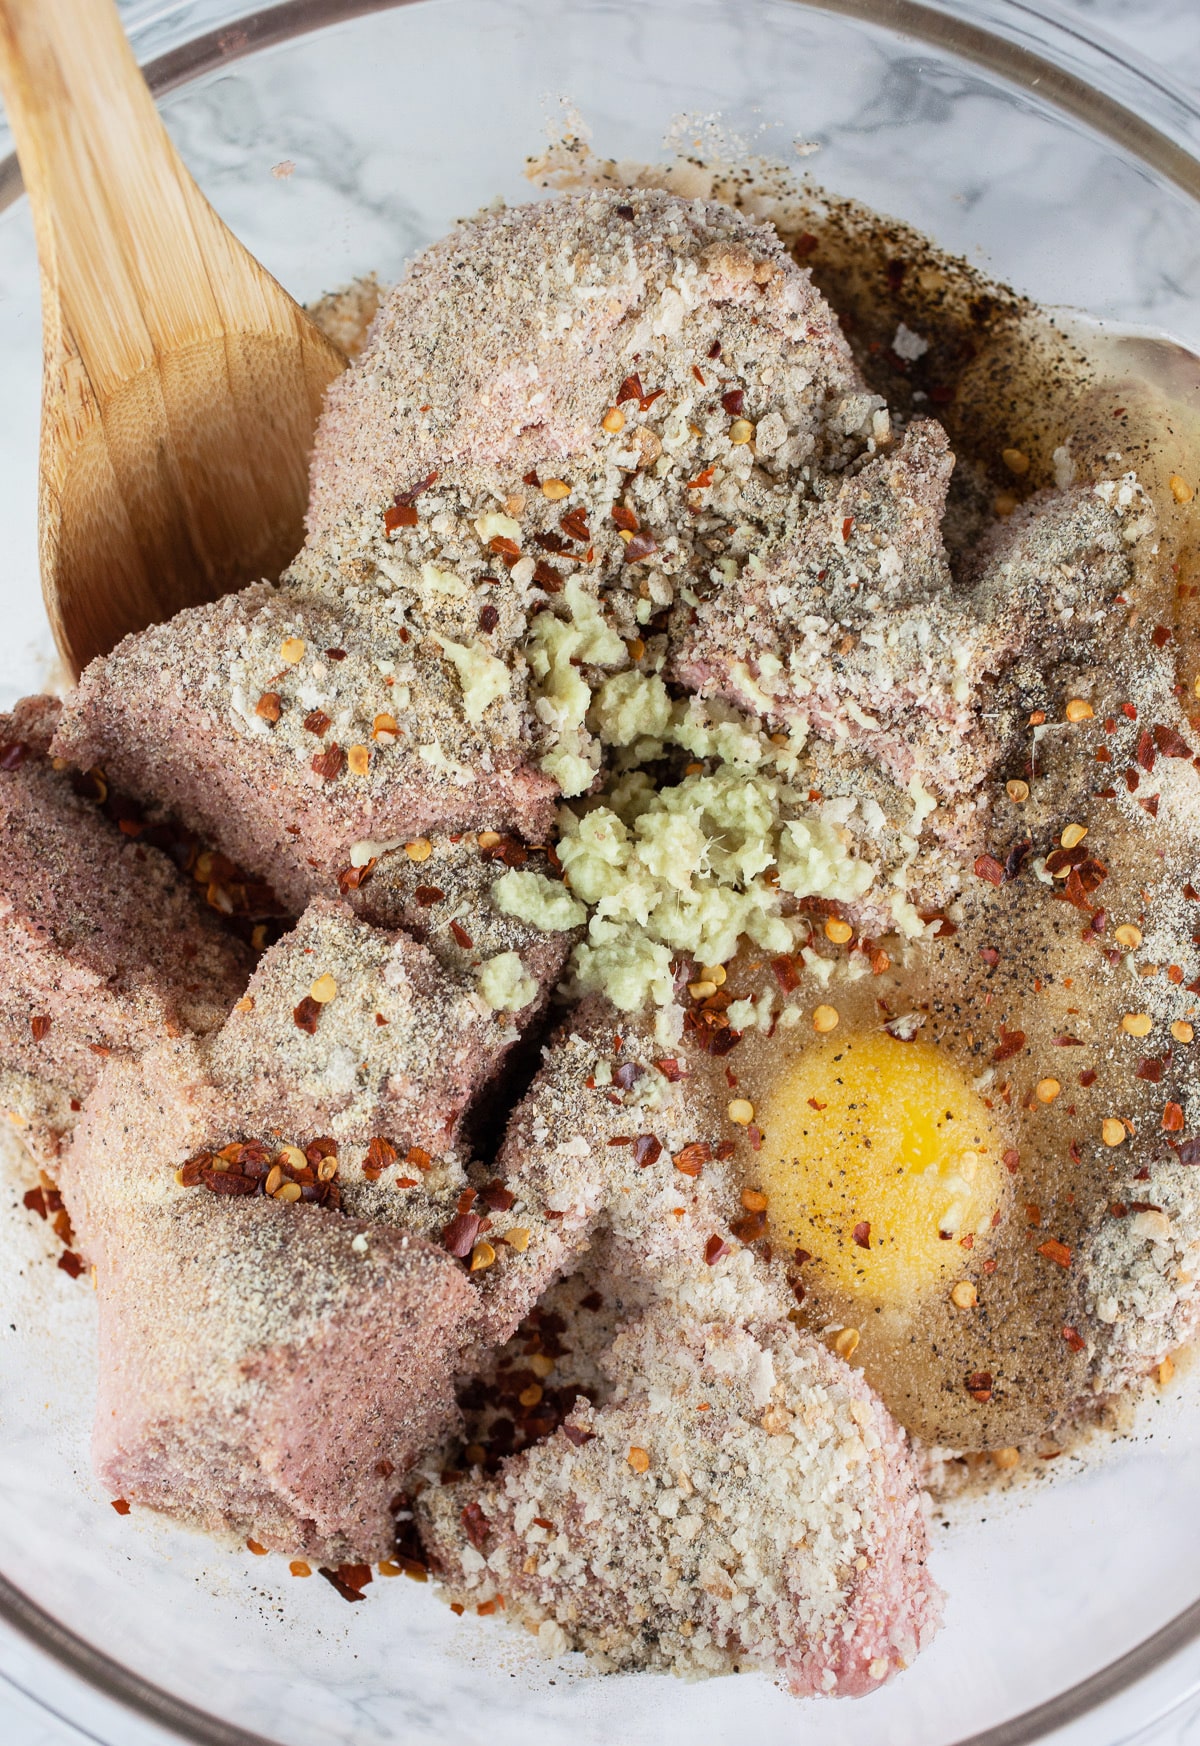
x,y
1164,30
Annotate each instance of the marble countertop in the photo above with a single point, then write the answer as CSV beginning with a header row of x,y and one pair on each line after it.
x,y
1165,31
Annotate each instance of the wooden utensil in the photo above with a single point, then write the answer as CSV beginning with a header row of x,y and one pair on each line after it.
x,y
181,383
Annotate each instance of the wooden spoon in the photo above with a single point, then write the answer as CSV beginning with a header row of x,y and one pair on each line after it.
x,y
181,383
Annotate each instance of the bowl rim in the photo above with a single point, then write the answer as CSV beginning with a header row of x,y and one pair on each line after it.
x,y
1008,38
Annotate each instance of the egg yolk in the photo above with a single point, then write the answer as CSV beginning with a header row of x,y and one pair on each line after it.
x,y
879,1159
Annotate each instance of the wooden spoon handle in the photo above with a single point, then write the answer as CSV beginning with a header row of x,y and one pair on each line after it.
x,y
133,254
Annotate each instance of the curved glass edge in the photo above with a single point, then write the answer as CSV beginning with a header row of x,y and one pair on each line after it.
x,y
1019,57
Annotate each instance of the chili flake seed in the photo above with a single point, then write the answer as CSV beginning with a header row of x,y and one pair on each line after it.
x,y
384,727
1128,936
1006,1459
838,931
300,1567
1182,1031
288,1191
359,760
323,990
638,1459
1165,1370
613,420
517,1238
293,1157
1017,791
826,1018
741,1111
555,489
419,849
714,973
1016,460
292,650
269,706
846,1342
1181,491
482,1255
741,431
541,1366
964,1295
1047,1090
1073,835
1112,1131
1137,1024
1079,709
754,1200
389,1567
258,1550
1005,503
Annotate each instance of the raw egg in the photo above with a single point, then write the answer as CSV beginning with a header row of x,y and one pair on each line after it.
x,y
879,1159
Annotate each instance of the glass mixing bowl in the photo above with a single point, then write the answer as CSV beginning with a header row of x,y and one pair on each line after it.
x,y
336,136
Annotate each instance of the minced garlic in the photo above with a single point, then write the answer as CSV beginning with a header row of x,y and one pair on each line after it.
x,y
504,983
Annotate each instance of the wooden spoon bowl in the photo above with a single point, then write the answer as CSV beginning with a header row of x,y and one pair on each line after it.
x,y
181,383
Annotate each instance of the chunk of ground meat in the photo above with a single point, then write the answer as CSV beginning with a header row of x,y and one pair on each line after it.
x,y
103,946
751,1506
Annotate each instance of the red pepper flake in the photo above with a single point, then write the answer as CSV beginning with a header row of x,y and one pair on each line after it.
x,y
750,1228
734,401
71,1263
702,480
862,1234
990,955
503,547
698,373
1160,636
1129,710
987,867
625,518
574,523
1068,1042
121,1506
489,616
307,1014
1087,1077
1145,750
462,936
847,528
672,1070
1055,1251
1172,1119
577,1435
647,1150
475,1524
647,400
1149,1067
715,1249
1150,805
630,389
496,1197
414,491
546,577
329,763
1011,1043
1011,1161
639,547
1073,1339
979,1385
317,722
39,1026
786,973
458,1237
12,754
381,1155
1170,743
399,515
339,1581
692,1159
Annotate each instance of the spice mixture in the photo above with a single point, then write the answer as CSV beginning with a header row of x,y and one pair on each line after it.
x,y
714,804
